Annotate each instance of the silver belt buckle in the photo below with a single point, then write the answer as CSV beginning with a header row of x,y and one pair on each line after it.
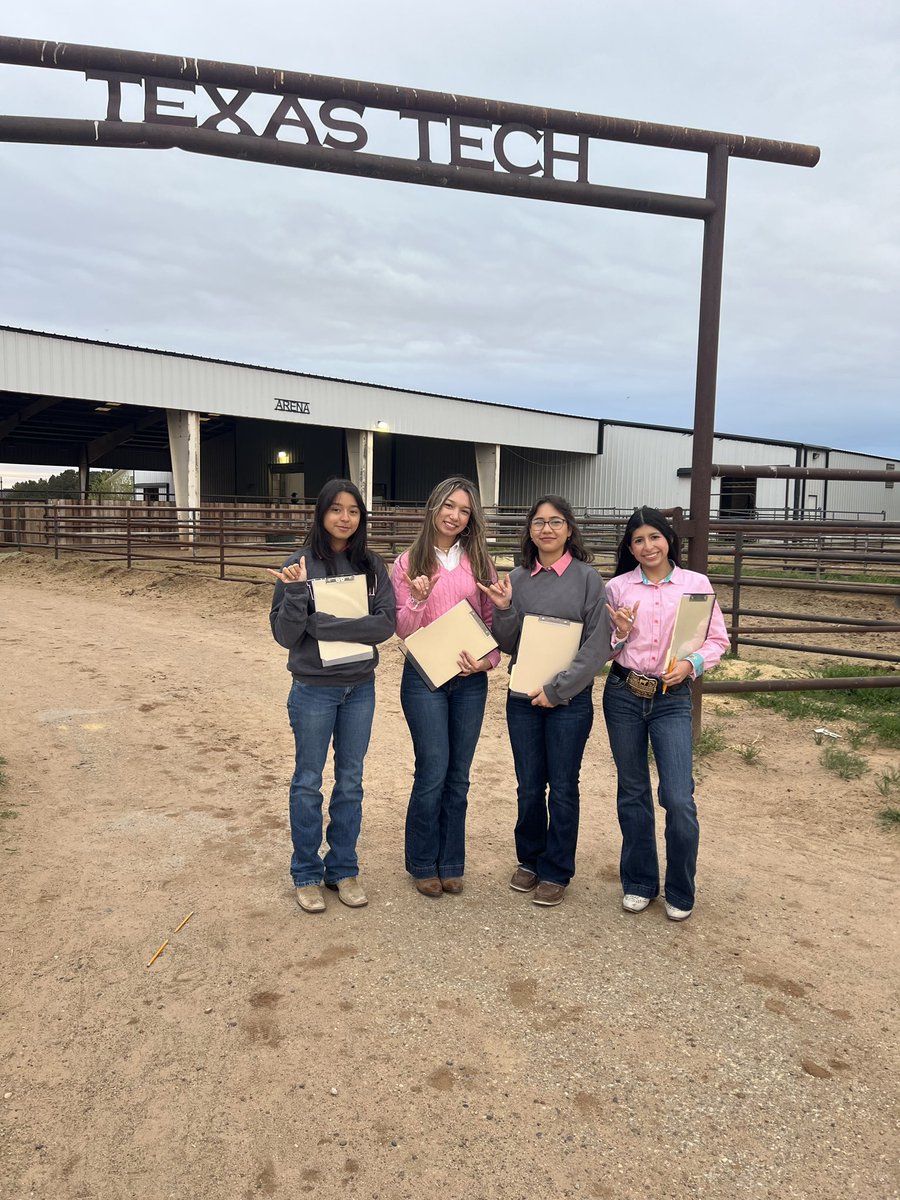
x,y
641,685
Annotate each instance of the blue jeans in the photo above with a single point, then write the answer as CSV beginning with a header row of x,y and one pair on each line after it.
x,y
666,721
444,726
318,715
548,745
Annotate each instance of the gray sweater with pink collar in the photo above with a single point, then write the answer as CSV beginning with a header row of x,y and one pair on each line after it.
x,y
576,595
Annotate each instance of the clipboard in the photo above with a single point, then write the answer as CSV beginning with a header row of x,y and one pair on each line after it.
x,y
345,596
435,649
695,610
547,646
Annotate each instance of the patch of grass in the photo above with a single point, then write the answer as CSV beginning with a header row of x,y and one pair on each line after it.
x,y
7,813
844,764
749,752
888,781
2,772
889,816
711,740
857,738
874,711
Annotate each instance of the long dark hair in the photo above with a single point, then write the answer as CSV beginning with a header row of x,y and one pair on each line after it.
x,y
422,558
574,542
361,559
646,516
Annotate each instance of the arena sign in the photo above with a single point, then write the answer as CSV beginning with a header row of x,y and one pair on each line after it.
x,y
289,118
293,406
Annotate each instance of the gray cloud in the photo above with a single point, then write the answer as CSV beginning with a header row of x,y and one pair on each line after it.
x,y
518,301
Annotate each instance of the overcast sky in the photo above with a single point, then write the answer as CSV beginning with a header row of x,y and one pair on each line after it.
x,y
552,306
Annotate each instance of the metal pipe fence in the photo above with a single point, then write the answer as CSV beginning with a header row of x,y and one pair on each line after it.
x,y
223,538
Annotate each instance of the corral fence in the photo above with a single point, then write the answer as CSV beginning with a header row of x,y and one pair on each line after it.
x,y
768,551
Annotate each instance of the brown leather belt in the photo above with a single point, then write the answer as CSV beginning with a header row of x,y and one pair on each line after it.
x,y
644,686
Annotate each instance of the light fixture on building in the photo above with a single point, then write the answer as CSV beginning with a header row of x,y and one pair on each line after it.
x,y
103,408
382,427
282,456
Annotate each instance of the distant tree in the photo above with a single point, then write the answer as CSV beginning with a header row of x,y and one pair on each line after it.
x,y
117,484
66,486
62,486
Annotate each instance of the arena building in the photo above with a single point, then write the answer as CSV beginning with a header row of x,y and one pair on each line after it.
x,y
230,431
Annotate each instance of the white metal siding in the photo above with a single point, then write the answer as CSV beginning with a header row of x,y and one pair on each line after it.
x,y
640,466
873,499
528,473
39,364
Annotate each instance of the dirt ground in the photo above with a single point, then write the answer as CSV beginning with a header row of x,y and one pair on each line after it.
x,y
471,1048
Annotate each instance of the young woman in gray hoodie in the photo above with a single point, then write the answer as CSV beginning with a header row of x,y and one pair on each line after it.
x,y
334,702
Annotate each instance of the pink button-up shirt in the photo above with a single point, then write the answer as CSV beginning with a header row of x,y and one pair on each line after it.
x,y
648,642
559,566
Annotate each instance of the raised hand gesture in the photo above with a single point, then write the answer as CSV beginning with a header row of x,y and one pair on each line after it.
x,y
623,618
421,587
499,592
292,573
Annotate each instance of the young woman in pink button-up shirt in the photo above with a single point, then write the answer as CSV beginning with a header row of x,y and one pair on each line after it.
x,y
643,601
441,568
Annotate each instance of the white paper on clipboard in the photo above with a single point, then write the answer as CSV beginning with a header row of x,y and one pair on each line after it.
x,y
547,646
345,596
692,620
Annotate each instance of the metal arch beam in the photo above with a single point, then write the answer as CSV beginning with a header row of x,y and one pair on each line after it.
x,y
67,56
63,131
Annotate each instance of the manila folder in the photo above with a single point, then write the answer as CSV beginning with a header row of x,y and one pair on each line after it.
x,y
546,647
692,620
434,649
344,596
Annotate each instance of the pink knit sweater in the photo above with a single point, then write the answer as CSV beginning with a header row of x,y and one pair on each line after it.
x,y
450,587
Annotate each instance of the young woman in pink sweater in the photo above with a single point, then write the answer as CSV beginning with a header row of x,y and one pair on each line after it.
x,y
442,567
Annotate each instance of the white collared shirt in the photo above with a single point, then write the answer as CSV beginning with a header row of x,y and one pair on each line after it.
x,y
449,559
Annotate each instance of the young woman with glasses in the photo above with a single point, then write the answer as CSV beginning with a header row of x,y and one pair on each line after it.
x,y
446,564
334,703
548,730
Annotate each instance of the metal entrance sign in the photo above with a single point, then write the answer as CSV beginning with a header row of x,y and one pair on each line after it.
x,y
485,145
449,141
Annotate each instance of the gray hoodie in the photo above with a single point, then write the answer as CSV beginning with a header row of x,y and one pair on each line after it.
x,y
297,627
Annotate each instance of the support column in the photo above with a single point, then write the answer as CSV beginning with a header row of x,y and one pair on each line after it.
x,y
84,472
184,448
360,457
707,358
705,392
487,464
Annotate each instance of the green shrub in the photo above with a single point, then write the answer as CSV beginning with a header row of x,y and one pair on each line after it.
x,y
844,764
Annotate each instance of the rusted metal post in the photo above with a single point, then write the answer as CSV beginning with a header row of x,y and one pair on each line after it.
x,y
707,365
128,537
221,543
707,357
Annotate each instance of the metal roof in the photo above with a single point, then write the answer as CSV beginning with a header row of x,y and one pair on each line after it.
x,y
40,363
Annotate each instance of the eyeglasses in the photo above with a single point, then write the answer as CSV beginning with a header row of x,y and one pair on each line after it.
x,y
555,523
